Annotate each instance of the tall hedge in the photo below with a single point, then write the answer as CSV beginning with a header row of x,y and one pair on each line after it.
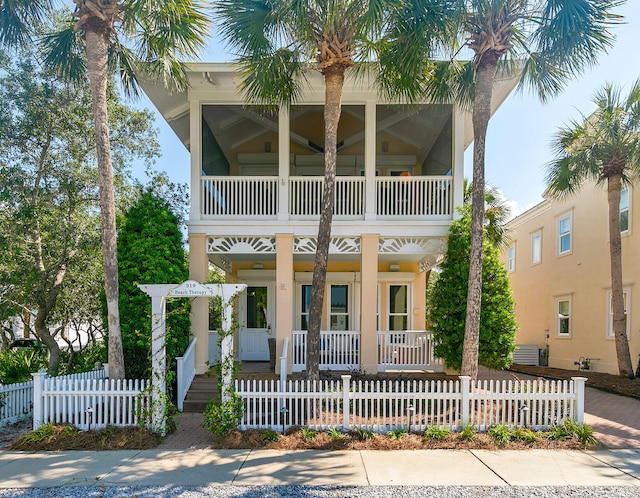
x,y
150,251
449,301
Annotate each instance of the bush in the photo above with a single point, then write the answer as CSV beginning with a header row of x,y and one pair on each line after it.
x,y
221,418
17,366
436,433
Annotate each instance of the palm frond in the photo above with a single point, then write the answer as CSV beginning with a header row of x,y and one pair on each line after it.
x,y
64,53
18,19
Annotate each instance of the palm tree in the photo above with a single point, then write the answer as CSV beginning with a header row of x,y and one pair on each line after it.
x,y
497,214
605,147
125,38
543,43
278,40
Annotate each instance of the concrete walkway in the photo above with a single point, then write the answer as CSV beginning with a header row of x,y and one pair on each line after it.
x,y
320,468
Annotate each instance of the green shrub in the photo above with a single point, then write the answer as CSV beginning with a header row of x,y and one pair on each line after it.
x,y
221,418
271,436
468,433
17,366
501,434
308,434
396,434
335,434
43,432
526,436
365,433
570,429
436,433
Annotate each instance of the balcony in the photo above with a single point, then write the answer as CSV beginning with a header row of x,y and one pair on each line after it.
x,y
259,198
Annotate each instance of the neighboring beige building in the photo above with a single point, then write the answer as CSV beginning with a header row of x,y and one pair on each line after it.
x,y
256,184
559,270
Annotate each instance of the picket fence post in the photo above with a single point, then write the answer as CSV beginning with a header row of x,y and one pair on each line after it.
x,y
465,405
38,401
345,401
578,386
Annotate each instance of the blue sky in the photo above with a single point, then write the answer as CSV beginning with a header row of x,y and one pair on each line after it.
x,y
519,134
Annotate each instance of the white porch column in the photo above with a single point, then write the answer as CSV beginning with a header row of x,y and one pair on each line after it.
x,y
369,303
458,160
195,124
370,160
283,164
158,363
199,271
285,294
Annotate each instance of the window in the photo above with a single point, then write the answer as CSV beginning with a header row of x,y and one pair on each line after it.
x,y
339,307
536,248
398,307
511,261
625,299
563,325
624,210
304,311
564,235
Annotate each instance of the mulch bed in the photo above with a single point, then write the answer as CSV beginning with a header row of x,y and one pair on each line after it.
x,y
605,382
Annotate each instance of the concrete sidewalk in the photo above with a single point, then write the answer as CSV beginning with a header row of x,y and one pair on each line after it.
x,y
320,468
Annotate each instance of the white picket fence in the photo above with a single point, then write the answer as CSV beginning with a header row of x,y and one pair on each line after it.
x,y
415,405
88,403
16,400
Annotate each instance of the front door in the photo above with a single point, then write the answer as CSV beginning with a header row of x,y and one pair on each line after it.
x,y
256,321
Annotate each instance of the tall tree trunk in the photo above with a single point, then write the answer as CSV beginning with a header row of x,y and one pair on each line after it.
x,y
485,75
43,333
334,81
96,35
625,367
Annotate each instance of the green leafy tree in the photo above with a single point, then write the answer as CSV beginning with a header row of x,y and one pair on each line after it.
x,y
543,43
102,38
449,303
603,147
151,252
49,194
278,41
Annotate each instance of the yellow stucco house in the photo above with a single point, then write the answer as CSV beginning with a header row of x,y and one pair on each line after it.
x,y
256,183
559,269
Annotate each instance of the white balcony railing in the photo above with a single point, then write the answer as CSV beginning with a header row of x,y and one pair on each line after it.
x,y
417,197
237,196
305,196
413,196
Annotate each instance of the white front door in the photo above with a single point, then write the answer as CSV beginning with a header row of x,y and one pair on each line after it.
x,y
256,322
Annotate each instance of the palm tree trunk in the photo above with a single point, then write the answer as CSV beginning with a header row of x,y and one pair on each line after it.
x,y
625,367
96,35
485,75
334,81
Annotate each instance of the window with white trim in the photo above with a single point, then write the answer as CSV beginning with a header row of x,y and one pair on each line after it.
x,y
624,210
563,322
398,307
339,307
564,235
304,307
536,248
626,299
511,259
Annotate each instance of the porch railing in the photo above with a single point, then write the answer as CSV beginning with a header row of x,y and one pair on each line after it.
x,y
339,350
186,372
305,196
407,350
249,196
413,196
421,197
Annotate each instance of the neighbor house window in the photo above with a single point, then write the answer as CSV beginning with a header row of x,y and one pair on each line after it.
x,y
624,210
564,235
339,307
536,248
563,325
625,299
511,261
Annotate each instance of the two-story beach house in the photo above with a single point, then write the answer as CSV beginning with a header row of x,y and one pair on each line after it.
x,y
256,184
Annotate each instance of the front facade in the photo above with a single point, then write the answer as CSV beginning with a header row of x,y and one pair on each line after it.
x,y
256,186
559,268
